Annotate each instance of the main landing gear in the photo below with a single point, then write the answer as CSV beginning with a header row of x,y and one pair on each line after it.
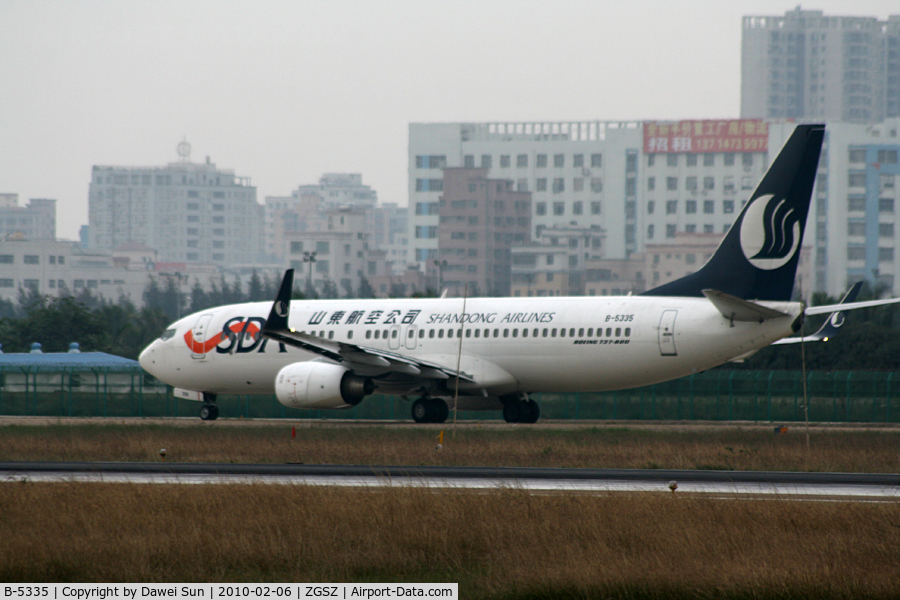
x,y
210,410
521,409
430,410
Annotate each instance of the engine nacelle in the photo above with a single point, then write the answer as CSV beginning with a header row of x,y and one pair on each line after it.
x,y
320,385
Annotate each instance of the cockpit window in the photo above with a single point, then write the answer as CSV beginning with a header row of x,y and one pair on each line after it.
x,y
167,334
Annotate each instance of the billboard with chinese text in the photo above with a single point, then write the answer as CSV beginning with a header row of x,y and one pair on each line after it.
x,y
722,135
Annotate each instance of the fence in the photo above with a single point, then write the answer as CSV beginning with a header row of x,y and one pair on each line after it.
x,y
717,395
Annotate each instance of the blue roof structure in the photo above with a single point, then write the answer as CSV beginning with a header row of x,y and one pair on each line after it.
x,y
55,362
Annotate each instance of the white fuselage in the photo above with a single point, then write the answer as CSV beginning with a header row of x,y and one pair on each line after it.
x,y
506,345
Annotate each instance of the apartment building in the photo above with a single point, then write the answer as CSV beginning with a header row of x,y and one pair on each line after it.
x,y
188,212
34,221
481,219
806,65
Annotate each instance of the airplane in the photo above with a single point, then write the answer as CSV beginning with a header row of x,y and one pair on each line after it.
x,y
492,353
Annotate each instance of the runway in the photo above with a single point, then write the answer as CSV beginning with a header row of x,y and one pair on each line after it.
x,y
795,485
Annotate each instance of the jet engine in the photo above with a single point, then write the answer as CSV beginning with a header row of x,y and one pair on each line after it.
x,y
320,385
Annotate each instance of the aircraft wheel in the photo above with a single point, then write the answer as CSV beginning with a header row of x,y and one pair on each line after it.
x,y
512,412
443,411
534,411
209,412
420,411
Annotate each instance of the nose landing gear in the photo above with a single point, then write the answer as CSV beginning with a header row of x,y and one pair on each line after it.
x,y
210,410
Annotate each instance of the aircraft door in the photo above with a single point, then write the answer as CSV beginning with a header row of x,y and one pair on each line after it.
x,y
411,333
667,333
394,340
199,334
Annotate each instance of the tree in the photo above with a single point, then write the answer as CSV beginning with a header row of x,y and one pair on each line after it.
x,y
329,290
55,323
255,290
365,289
199,298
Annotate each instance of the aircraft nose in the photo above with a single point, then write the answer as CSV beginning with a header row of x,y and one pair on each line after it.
x,y
151,359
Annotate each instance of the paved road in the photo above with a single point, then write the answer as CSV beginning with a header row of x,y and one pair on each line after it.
x,y
853,486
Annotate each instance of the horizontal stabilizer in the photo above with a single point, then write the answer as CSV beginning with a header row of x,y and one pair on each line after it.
x,y
736,309
827,308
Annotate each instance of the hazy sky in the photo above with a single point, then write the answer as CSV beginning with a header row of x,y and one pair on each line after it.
x,y
285,91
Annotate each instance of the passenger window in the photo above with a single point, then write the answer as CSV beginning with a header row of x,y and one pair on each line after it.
x,y
377,334
487,333
431,333
421,333
496,333
562,332
477,332
628,332
468,333
506,333
368,334
385,334
350,335
534,333
609,332
581,332
394,334
545,333
331,335
440,333
553,332
618,331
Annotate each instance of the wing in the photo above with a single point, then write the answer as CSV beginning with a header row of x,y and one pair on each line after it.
x,y
361,359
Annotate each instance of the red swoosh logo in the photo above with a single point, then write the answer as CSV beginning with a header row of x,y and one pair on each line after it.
x,y
207,346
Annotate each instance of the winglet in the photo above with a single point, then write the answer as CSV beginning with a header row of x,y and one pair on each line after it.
x,y
832,324
281,308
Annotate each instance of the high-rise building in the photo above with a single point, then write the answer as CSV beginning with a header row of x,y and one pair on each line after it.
x,y
35,221
805,65
856,232
674,179
188,212
331,256
481,219
578,173
305,210
339,189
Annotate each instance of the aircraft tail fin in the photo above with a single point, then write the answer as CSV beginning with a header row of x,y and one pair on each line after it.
x,y
758,257
281,308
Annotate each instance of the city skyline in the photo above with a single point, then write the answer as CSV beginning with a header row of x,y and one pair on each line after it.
x,y
284,92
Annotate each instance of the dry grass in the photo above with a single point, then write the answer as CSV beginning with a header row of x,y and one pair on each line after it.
x,y
507,544
675,447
